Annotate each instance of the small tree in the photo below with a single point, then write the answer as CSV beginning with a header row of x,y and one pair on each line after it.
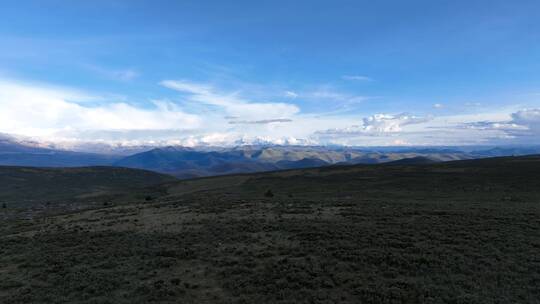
x,y
269,193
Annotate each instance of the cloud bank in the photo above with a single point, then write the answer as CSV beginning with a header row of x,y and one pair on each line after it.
x,y
54,112
201,114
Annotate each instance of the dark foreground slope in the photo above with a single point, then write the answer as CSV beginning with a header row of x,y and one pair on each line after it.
x,y
26,187
459,232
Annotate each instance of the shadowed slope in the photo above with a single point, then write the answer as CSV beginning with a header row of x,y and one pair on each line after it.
x,y
27,186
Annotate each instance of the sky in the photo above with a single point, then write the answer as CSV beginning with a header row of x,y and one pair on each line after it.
x,y
355,73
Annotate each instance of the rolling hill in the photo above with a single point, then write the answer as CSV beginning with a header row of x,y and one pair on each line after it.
x,y
187,163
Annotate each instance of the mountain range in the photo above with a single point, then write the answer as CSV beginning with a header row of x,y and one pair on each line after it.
x,y
183,162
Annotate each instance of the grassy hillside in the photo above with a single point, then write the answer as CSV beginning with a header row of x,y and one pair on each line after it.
x,y
40,187
504,176
459,232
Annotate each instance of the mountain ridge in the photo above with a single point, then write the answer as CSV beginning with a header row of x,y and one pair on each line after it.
x,y
191,162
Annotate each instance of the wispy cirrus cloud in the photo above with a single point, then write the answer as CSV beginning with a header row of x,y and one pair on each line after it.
x,y
291,94
356,78
232,103
259,122
125,75
328,93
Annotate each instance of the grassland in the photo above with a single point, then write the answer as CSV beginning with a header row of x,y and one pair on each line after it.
x,y
37,191
459,232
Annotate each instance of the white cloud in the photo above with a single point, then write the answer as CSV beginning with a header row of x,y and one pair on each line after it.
x,y
406,129
378,129
489,125
384,123
356,78
523,120
274,140
186,86
231,103
38,110
325,93
438,105
519,127
72,118
291,94
67,116
528,117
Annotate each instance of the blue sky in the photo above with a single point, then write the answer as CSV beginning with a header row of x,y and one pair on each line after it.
x,y
302,72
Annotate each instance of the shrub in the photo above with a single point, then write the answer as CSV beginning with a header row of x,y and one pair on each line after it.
x,y
269,193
